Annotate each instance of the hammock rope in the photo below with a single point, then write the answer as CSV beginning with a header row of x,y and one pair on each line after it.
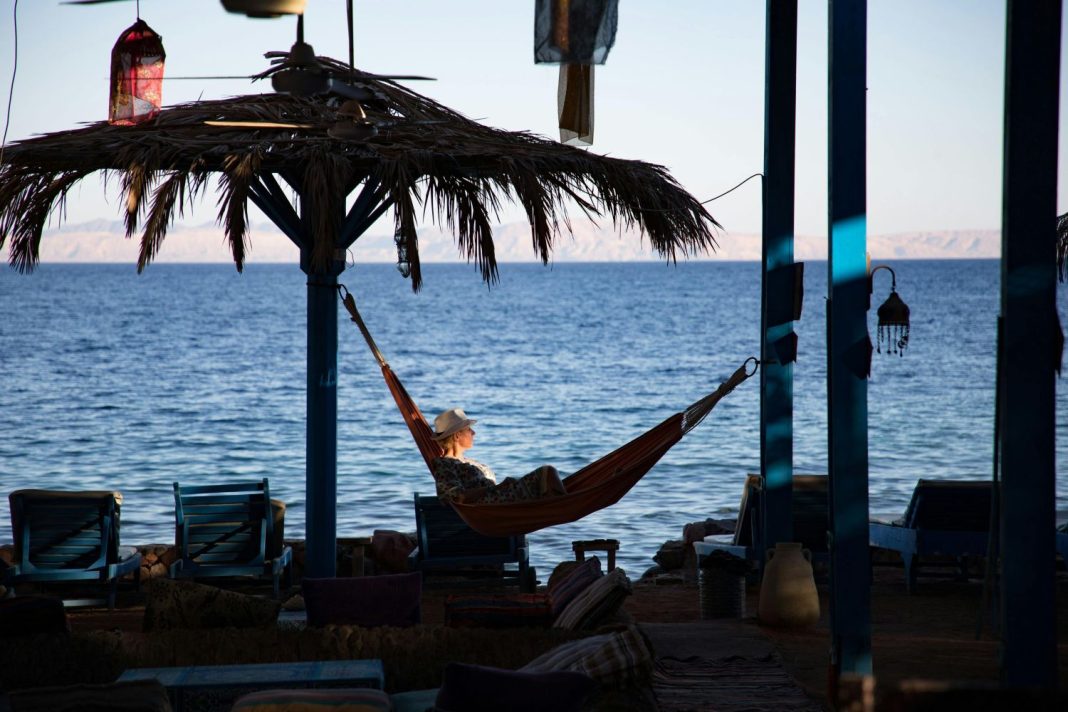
x,y
598,485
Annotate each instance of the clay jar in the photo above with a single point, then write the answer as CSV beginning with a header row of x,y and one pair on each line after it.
x,y
788,596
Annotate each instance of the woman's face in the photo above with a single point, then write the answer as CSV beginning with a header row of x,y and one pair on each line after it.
x,y
465,438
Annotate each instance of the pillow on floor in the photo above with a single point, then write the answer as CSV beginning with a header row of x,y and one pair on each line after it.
x,y
506,611
564,590
369,601
132,696
596,603
474,688
612,659
334,700
185,604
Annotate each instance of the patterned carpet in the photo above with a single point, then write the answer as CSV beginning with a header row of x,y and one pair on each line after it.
x,y
729,684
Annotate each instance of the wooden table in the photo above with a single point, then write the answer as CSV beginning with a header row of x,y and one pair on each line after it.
x,y
216,687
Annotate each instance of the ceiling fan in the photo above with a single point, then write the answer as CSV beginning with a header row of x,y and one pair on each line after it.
x,y
252,8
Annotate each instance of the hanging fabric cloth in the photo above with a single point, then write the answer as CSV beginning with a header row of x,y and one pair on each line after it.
x,y
596,486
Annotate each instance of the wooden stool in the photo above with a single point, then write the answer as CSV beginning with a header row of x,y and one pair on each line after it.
x,y
609,545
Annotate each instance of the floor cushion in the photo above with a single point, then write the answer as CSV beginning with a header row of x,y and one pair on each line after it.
x,y
369,601
475,688
564,589
133,696
185,604
340,699
498,611
612,659
596,603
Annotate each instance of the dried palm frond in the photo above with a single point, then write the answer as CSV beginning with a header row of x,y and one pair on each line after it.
x,y
459,171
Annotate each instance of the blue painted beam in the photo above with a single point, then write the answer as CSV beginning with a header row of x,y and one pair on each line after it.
x,y
321,433
848,344
776,374
1030,354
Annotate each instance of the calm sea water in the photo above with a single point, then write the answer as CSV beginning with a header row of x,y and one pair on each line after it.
x,y
196,374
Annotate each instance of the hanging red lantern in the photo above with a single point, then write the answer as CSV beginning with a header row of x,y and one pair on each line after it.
x,y
136,75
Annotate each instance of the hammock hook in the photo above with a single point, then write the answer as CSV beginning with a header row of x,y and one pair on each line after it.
x,y
756,365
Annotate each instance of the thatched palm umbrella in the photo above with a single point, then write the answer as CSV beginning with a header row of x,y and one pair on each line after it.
x,y
401,149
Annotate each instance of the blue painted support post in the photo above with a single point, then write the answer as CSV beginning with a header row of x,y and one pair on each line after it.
x,y
777,299
321,436
848,344
1031,350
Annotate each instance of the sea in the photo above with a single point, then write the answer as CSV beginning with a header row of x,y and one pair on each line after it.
x,y
196,374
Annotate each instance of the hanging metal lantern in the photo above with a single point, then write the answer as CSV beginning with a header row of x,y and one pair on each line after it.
x,y
265,8
136,75
893,317
574,31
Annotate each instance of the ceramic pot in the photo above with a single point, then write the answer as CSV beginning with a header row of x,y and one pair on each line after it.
x,y
788,595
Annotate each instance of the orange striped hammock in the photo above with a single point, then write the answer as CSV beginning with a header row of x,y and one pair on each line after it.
x,y
594,487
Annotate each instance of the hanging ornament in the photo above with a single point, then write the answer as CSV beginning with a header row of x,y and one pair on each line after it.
x,y
404,265
575,103
893,318
136,75
574,31
576,34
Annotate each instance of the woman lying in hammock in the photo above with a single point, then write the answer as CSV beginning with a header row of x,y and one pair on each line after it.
x,y
461,480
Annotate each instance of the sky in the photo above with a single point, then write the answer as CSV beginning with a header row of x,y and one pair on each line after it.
x,y
682,87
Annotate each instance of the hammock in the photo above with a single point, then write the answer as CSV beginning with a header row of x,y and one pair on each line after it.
x,y
594,487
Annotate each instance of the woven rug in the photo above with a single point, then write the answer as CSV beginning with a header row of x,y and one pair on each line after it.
x,y
730,684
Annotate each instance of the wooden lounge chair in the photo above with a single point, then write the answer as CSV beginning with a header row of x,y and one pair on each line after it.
x,y
444,543
809,502
69,536
229,530
944,518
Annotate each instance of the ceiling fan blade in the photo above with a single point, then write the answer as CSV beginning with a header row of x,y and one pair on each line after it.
x,y
89,2
347,90
401,77
258,125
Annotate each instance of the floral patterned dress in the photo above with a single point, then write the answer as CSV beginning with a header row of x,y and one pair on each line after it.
x,y
454,477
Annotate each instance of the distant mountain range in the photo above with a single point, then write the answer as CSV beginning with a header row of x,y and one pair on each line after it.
x,y
104,241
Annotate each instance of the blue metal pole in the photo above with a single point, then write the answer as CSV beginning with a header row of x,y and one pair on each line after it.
x,y
321,435
848,344
777,298
1030,349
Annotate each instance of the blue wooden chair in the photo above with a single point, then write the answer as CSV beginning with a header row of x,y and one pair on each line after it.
x,y
944,518
809,504
230,529
444,542
69,536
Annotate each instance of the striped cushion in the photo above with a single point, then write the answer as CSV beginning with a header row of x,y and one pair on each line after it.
x,y
564,590
595,603
514,611
339,699
612,659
